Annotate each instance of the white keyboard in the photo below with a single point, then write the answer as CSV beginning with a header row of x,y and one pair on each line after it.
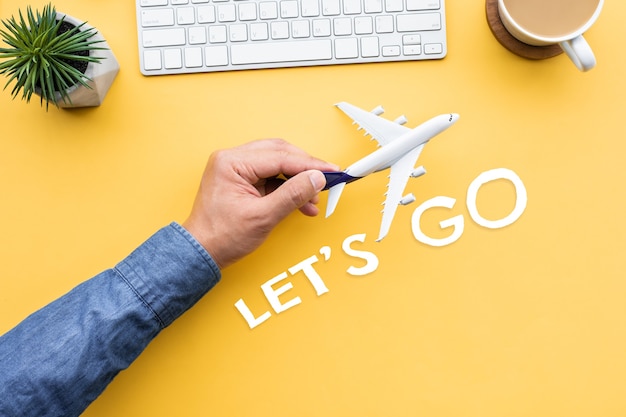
x,y
186,36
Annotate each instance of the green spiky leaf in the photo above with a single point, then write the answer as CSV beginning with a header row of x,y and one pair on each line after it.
x,y
43,56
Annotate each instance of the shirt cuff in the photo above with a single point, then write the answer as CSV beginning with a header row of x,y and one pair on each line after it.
x,y
169,272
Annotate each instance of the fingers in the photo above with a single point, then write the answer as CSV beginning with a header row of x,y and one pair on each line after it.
x,y
299,192
309,209
272,157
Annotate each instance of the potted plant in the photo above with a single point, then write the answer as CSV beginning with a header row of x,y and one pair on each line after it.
x,y
64,61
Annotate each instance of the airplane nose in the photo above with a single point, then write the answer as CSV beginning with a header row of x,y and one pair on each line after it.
x,y
454,117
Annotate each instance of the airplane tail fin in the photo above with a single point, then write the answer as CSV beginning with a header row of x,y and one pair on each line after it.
x,y
334,193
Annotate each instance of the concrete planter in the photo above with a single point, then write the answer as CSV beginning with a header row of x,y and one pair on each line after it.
x,y
101,74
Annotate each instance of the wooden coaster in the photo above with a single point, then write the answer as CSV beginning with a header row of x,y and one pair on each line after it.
x,y
509,42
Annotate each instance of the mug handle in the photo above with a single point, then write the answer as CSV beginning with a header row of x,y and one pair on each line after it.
x,y
579,51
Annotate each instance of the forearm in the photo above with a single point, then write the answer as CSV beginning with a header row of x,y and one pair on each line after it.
x,y
58,360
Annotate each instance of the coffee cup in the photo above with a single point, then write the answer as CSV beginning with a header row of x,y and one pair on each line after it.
x,y
550,22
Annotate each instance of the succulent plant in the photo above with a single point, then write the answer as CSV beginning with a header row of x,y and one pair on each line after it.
x,y
45,55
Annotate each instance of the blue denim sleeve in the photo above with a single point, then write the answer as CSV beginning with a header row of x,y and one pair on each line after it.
x,y
60,358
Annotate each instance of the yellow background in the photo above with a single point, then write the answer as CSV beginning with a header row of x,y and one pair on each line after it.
x,y
528,320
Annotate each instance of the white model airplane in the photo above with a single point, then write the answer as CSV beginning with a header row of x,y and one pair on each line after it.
x,y
399,149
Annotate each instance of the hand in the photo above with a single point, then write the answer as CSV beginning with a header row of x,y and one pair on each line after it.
x,y
241,199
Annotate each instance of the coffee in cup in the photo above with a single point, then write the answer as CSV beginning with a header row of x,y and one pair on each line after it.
x,y
549,22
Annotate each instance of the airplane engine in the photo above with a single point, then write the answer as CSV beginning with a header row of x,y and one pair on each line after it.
x,y
407,199
378,110
418,172
401,120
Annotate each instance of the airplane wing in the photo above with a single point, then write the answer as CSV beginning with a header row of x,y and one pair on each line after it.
x,y
383,130
334,193
399,176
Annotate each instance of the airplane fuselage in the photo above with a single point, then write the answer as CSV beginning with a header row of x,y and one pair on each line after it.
x,y
387,155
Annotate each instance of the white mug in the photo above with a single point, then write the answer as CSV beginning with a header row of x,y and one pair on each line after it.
x,y
572,42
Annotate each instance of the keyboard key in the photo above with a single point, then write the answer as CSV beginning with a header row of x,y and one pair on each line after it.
x,y
330,7
157,17
265,53
247,11
419,21
391,50
259,32
321,27
238,32
412,5
369,47
342,26
373,6
197,35
226,13
352,6
150,3
217,34
411,39
173,58
384,24
393,6
310,8
206,14
280,30
216,56
363,25
433,48
163,37
288,9
152,59
300,29
346,48
412,49
268,10
193,57
186,16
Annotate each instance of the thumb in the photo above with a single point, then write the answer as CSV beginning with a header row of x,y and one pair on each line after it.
x,y
295,193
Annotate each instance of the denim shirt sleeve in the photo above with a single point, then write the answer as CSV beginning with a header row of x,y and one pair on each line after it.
x,y
60,358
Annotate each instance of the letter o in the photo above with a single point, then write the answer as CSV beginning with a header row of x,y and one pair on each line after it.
x,y
492,175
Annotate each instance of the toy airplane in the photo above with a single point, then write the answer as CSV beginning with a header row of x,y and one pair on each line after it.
x,y
400,149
